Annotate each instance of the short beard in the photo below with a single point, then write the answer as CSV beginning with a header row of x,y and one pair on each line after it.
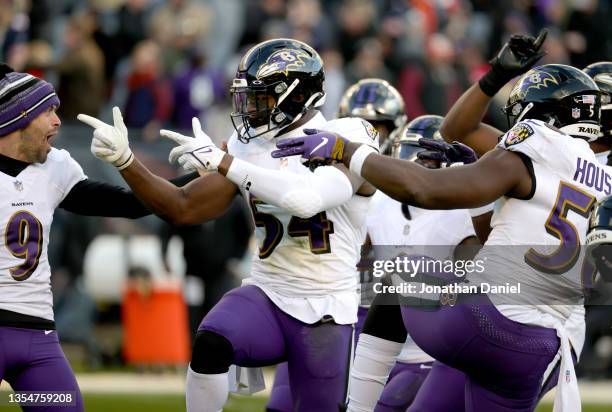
x,y
30,150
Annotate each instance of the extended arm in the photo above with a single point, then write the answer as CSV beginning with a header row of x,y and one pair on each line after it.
x,y
498,173
203,199
303,195
92,198
463,121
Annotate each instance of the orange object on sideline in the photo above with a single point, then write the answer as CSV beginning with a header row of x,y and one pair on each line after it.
x,y
155,326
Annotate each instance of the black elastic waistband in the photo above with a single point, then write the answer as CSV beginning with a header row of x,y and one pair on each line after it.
x,y
19,320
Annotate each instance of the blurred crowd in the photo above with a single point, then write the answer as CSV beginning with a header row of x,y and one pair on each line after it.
x,y
164,61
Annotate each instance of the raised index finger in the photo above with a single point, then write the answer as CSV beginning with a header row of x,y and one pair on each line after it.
x,y
540,39
91,121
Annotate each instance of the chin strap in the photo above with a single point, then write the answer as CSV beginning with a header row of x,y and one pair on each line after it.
x,y
523,113
316,100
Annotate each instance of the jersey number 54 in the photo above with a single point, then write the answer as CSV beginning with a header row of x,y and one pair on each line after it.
x,y
317,228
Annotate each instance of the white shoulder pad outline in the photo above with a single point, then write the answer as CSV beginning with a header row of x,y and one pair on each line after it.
x,y
354,129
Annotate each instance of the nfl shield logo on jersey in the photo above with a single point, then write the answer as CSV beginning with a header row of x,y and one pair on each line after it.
x,y
575,112
18,185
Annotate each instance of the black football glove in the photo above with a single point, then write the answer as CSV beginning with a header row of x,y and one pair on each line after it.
x,y
448,153
516,57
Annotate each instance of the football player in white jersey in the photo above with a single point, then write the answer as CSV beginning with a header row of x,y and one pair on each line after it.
x,y
385,350
376,101
601,72
542,169
599,238
300,302
36,179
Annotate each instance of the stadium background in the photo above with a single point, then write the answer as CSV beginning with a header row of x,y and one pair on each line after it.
x,y
117,283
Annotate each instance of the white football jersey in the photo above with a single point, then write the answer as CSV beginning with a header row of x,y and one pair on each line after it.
x,y
602,157
539,238
307,266
387,224
30,200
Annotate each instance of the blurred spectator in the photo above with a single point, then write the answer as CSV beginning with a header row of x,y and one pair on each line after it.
x,y
589,34
224,36
257,16
149,99
116,33
431,87
40,58
309,25
195,89
179,26
335,82
555,49
132,20
41,20
356,18
80,70
14,25
368,62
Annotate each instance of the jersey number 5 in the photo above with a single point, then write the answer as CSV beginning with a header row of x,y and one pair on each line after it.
x,y
557,224
23,237
317,228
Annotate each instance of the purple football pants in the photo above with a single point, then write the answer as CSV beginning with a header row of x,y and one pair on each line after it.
x,y
504,361
317,355
280,397
32,360
406,379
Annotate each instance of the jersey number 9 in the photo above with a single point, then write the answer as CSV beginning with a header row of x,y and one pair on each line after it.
x,y
23,237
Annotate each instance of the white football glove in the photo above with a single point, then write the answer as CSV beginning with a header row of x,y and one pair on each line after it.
x,y
110,143
193,153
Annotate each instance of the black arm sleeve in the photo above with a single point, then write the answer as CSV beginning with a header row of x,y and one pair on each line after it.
x,y
91,198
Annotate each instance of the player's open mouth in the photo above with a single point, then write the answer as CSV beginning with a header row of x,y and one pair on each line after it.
x,y
50,137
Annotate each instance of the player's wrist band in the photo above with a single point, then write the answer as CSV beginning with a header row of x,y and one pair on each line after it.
x,y
479,211
238,173
125,163
493,81
359,156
